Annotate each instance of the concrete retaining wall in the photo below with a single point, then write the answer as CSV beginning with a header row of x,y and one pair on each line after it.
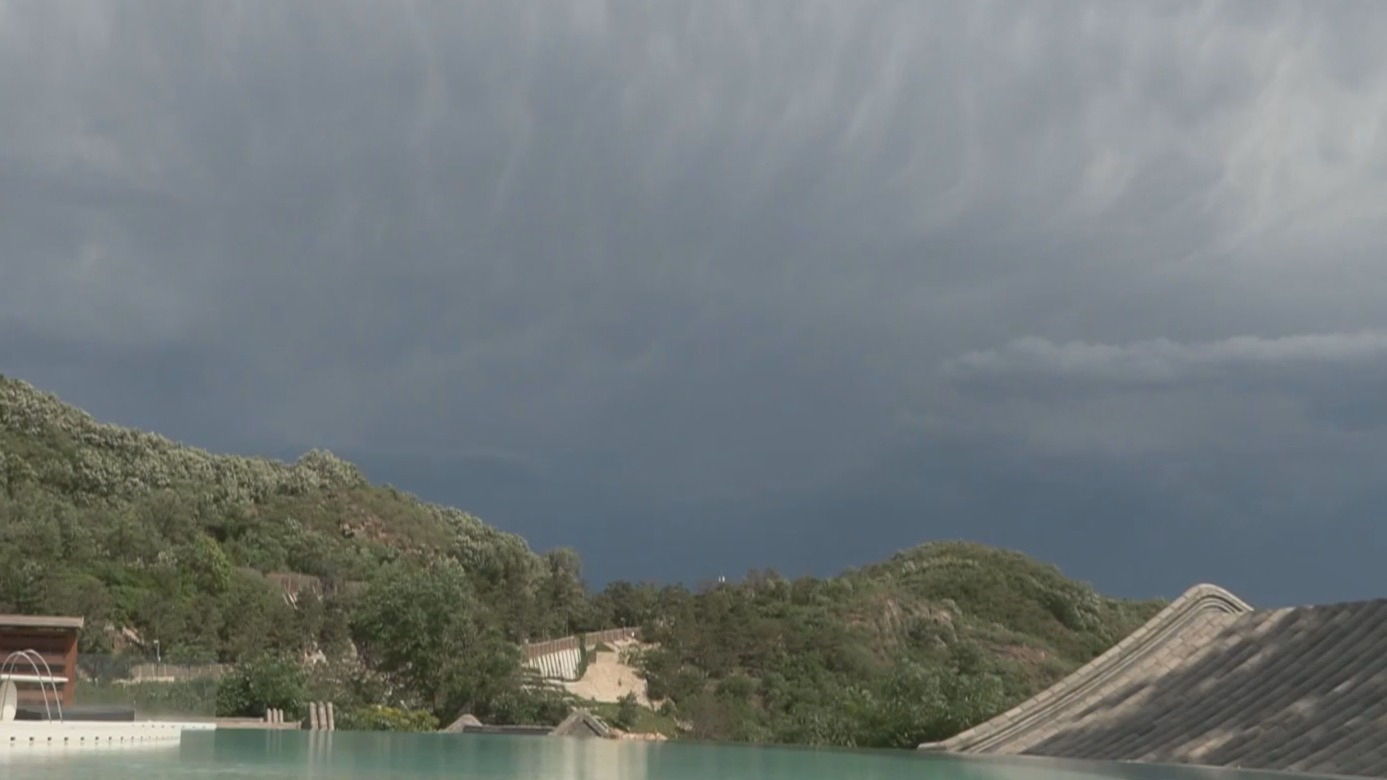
x,y
559,659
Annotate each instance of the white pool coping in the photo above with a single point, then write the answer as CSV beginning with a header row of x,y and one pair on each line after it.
x,y
46,735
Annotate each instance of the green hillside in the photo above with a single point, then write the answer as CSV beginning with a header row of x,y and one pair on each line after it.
x,y
419,608
154,541
919,647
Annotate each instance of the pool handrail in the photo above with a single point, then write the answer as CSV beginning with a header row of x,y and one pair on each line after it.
x,y
41,676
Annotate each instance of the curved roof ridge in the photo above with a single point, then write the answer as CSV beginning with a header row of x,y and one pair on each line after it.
x,y
1164,628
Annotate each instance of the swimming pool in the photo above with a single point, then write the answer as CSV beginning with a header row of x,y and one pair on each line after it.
x,y
295,755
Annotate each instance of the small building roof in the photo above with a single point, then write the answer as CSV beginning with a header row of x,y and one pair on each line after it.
x,y
462,724
581,723
41,621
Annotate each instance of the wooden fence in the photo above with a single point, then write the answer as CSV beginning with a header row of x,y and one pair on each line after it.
x,y
534,650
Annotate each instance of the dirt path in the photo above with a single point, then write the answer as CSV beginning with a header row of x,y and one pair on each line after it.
x,y
607,679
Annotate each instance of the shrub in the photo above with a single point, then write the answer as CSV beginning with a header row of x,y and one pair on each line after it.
x,y
378,718
627,711
267,681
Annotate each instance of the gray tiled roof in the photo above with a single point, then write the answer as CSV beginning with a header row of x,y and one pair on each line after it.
x,y
40,621
1212,681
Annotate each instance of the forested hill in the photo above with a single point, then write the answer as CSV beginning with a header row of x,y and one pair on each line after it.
x,y
421,607
917,648
136,531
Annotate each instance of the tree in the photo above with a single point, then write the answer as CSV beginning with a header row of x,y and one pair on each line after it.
x,y
205,564
564,597
255,618
428,631
628,605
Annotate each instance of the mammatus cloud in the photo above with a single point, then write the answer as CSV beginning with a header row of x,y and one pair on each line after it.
x,y
705,260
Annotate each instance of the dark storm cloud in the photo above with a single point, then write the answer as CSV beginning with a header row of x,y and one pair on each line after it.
x,y
825,278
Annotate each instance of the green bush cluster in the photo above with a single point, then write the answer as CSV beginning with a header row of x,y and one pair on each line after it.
x,y
260,683
375,717
627,713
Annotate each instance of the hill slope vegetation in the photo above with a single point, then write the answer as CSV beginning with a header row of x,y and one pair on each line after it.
x,y
415,611
914,649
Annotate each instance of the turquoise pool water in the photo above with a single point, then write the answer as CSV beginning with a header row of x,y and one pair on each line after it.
x,y
286,755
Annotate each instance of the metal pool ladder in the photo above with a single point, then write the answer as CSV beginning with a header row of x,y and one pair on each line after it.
x,y
43,673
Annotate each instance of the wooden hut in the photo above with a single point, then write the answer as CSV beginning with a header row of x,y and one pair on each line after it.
x,y
54,639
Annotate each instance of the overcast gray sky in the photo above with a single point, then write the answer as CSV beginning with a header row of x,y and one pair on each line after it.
x,y
700,286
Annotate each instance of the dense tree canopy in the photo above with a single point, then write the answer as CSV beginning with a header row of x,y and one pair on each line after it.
x,y
412,614
230,559
917,648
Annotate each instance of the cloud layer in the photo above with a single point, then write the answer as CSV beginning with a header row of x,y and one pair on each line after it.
x,y
1164,362
822,279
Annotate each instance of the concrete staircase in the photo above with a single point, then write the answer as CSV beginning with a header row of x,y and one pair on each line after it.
x,y
1212,681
